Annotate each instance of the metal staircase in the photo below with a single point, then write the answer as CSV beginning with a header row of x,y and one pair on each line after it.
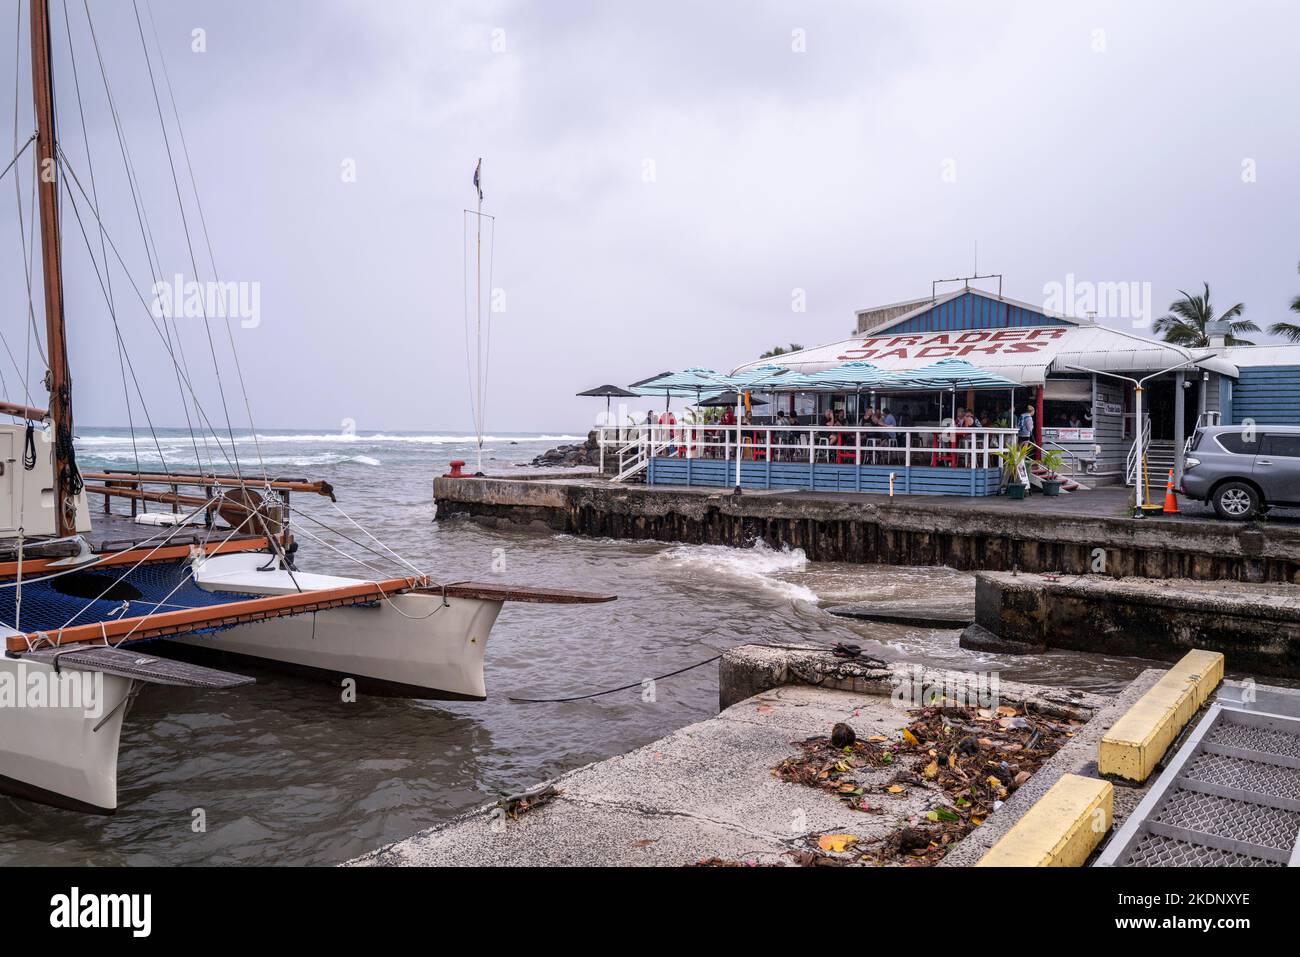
x,y
1229,797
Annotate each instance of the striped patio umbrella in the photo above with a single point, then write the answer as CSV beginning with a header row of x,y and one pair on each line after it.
x,y
947,374
851,376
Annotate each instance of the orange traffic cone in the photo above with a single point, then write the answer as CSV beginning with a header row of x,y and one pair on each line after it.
x,y
1171,499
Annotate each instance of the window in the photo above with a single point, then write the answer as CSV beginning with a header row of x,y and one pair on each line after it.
x,y
1236,442
1288,445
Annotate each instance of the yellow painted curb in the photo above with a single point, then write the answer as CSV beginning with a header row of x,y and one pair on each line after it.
x,y
1138,740
1061,829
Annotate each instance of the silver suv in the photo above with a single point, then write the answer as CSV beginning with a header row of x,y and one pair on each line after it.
x,y
1243,470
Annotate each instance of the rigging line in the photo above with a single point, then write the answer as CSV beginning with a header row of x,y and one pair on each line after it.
x,y
207,238
176,530
27,249
423,581
72,177
189,577
152,259
93,563
94,191
18,188
31,139
492,260
469,367
368,534
189,245
329,528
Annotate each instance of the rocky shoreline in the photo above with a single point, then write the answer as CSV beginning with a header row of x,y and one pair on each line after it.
x,y
586,453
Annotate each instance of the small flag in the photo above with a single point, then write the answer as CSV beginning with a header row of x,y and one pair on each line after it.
x,y
477,184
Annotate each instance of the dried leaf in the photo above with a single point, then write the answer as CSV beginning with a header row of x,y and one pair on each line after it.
x,y
836,843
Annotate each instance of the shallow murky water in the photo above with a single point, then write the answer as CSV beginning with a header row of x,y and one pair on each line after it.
x,y
285,772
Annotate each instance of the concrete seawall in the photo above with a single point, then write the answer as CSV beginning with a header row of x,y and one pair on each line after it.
x,y
1257,627
967,534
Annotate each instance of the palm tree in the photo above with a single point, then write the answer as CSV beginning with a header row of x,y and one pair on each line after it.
x,y
1185,324
781,350
1288,330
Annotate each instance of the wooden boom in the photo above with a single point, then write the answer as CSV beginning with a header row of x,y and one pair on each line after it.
x,y
224,481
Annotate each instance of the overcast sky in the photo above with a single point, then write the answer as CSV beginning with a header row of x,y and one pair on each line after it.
x,y
667,177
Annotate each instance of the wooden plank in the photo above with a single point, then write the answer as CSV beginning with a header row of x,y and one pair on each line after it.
x,y
192,619
225,481
130,663
544,596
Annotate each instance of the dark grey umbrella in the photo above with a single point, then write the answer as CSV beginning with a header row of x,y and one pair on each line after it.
x,y
730,399
609,392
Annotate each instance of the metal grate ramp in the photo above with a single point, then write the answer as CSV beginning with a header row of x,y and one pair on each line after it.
x,y
1229,798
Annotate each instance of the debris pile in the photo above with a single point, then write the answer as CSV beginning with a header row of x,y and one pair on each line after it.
x,y
973,759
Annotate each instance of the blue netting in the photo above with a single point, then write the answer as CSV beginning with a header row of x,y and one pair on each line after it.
x,y
48,607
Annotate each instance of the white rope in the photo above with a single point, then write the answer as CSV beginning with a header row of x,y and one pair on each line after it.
x,y
365,531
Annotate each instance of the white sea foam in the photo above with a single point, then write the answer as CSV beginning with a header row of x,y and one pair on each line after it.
x,y
345,437
760,565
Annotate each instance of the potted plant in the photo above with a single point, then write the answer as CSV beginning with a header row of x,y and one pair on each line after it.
x,y
1013,460
1052,460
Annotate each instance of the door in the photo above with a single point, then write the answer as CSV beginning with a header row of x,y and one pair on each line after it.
x,y
8,472
1277,467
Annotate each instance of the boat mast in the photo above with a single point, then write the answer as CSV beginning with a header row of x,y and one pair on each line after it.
x,y
57,380
478,306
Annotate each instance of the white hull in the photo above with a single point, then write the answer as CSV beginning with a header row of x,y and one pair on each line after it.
x,y
408,644
55,754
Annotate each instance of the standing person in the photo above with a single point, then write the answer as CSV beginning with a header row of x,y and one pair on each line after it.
x,y
1025,428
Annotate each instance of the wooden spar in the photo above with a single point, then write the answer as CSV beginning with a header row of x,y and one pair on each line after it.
x,y
146,554
491,592
58,378
161,624
28,412
225,481
165,498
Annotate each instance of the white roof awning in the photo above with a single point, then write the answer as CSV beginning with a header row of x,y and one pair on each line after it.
x,y
1024,354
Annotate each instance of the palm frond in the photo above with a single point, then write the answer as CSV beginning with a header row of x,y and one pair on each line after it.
x,y
1287,330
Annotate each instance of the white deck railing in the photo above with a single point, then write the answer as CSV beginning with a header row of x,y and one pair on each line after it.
x,y
920,445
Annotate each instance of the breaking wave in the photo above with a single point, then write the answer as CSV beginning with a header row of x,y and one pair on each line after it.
x,y
760,565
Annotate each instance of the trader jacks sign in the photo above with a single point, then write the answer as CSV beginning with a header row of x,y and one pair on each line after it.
x,y
945,345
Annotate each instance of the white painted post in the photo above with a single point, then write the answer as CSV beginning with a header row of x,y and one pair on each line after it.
x,y
1137,442
739,416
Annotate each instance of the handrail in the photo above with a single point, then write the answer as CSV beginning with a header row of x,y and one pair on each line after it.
x,y
1070,454
971,447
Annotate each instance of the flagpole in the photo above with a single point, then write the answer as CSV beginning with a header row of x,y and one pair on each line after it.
x,y
478,303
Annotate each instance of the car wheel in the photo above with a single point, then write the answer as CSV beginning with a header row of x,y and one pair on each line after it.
x,y
1236,501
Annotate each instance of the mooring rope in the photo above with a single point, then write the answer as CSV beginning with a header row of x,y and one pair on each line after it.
x,y
840,649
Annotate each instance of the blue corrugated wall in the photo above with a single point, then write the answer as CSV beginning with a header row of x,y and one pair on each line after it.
x,y
1270,396
971,311
826,477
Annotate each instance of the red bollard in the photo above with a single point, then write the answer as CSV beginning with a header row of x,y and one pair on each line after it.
x,y
456,466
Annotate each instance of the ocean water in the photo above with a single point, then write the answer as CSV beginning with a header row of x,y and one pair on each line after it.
x,y
286,772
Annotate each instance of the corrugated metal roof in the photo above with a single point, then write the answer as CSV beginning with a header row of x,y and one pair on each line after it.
x,y
1267,355
1024,355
